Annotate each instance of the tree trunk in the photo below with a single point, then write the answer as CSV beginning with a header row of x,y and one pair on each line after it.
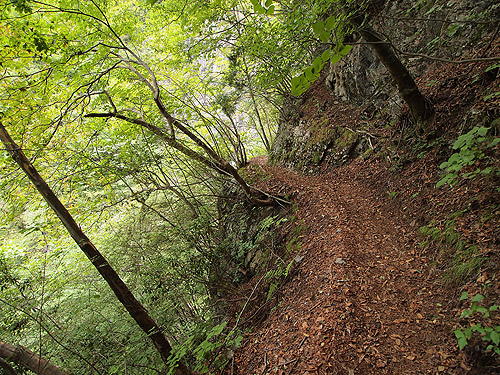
x,y
7,368
420,108
122,292
26,358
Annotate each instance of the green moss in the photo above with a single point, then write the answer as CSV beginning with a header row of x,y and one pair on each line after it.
x,y
253,173
316,158
321,132
345,139
293,242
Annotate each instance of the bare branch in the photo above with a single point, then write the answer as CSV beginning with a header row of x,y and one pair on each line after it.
x,y
465,61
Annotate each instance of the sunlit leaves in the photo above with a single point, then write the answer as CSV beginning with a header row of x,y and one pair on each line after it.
x,y
330,31
302,82
267,8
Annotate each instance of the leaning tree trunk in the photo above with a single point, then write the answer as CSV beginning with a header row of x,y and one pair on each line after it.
x,y
122,292
420,108
7,368
26,358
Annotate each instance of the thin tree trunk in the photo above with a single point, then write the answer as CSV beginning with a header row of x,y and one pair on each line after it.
x,y
215,161
26,358
122,292
420,108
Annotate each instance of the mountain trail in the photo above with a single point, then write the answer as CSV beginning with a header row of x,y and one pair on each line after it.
x,y
364,298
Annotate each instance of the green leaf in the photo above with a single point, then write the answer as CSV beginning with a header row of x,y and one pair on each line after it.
x,y
309,73
442,182
481,309
459,333
344,51
318,63
444,165
259,8
271,10
487,170
299,85
325,36
462,140
295,81
218,329
326,55
482,131
464,295
318,27
330,23
477,298
494,142
269,3
462,340
492,67
335,58
237,341
466,313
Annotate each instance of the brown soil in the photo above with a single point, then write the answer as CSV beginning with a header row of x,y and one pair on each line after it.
x,y
362,300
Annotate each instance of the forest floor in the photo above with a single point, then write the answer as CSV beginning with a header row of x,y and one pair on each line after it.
x,y
362,300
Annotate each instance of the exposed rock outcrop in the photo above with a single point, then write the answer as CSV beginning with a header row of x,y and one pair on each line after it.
x,y
245,232
359,85
450,28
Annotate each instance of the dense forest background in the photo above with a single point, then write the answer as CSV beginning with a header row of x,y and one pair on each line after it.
x,y
140,233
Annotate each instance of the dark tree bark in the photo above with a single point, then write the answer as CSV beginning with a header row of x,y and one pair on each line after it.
x,y
122,292
7,368
26,358
420,108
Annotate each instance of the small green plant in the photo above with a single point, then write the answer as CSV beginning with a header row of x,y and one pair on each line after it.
x,y
463,259
205,346
432,82
488,333
470,149
276,275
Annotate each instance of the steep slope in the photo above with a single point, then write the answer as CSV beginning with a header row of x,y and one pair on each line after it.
x,y
363,300
371,295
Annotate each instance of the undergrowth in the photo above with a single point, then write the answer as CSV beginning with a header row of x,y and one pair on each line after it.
x,y
281,270
479,320
461,260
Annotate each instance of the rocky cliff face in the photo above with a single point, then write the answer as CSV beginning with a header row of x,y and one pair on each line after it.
x,y
313,131
441,29
248,234
359,86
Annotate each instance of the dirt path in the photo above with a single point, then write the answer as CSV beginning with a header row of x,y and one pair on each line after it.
x,y
363,300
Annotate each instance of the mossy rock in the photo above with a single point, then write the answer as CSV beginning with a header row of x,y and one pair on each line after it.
x,y
305,145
